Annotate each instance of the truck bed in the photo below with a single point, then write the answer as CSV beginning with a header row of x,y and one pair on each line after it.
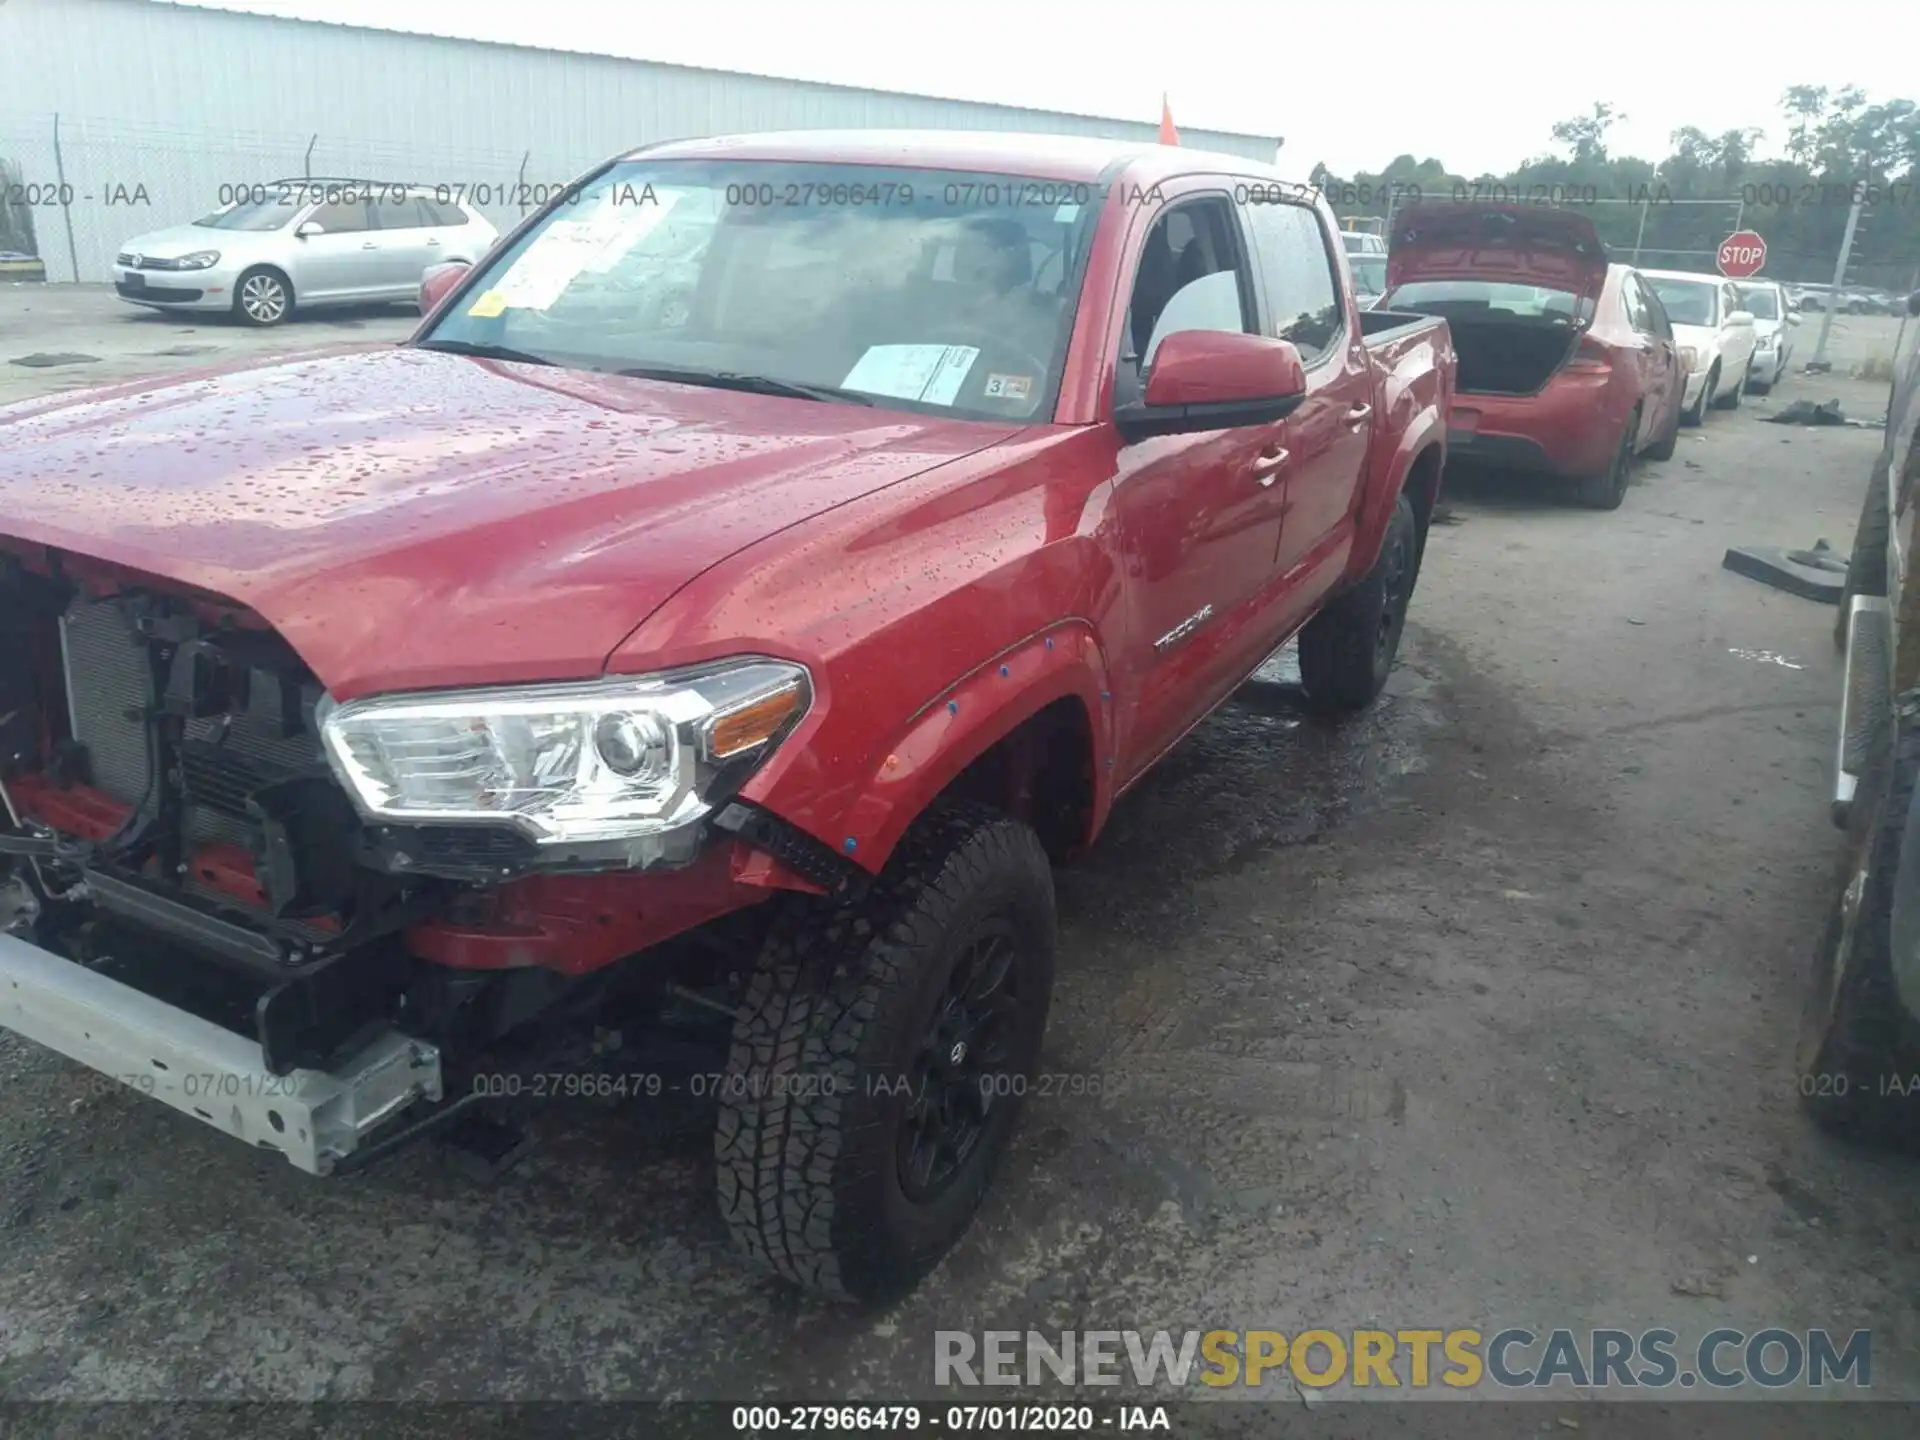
x,y
1410,352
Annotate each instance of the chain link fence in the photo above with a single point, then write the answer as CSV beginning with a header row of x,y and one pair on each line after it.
x,y
75,188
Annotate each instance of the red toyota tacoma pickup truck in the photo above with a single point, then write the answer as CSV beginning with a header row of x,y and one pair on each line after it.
x,y
838,520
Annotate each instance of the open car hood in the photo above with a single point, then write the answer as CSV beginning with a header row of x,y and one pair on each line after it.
x,y
1500,244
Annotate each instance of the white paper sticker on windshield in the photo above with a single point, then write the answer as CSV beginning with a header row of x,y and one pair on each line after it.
x,y
539,277
567,249
929,373
1067,213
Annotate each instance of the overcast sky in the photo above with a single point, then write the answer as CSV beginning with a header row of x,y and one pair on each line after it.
x,y
1475,84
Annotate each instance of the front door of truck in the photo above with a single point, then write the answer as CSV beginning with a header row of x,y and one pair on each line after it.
x,y
1198,514
1327,438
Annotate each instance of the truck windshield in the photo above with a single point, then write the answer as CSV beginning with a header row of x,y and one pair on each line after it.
x,y
1761,301
938,291
1369,273
1688,302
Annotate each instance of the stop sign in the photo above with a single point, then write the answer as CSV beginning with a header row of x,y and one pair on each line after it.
x,y
1741,254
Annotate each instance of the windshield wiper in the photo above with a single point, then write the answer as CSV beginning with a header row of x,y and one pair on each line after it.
x,y
482,351
753,384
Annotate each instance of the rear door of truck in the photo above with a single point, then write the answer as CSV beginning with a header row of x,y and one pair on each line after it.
x,y
1304,285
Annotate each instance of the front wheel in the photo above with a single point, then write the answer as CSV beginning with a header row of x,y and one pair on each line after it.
x,y
881,1056
262,298
1347,650
1731,400
1697,412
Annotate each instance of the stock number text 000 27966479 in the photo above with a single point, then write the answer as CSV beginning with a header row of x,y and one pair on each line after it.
x,y
716,1085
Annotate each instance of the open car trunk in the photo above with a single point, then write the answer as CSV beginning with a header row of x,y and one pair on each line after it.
x,y
1516,284
1508,354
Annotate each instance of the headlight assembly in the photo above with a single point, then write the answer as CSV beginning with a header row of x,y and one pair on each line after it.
x,y
199,260
605,760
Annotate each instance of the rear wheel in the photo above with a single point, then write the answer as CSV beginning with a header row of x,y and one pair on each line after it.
x,y
880,1057
1347,650
1608,489
1662,449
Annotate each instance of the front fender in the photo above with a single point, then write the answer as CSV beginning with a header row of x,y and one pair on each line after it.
x,y
955,727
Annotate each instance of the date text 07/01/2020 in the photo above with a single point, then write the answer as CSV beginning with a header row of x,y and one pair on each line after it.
x,y
959,1419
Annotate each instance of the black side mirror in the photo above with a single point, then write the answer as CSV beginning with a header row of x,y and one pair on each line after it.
x,y
1913,303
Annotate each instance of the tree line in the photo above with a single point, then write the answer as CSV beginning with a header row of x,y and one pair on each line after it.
x,y
1676,211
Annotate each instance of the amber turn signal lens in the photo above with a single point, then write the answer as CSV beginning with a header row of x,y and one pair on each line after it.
x,y
753,724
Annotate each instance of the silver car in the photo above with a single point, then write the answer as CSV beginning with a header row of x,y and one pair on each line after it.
x,y
302,243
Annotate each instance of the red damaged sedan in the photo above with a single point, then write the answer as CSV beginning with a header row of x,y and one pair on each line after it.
x,y
1568,365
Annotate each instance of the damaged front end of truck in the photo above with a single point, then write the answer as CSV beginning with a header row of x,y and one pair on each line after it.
x,y
299,922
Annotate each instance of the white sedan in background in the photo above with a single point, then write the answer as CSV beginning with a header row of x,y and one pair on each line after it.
x,y
1715,337
1773,323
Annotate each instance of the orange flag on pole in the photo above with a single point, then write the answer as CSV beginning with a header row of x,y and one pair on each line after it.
x,y
1168,135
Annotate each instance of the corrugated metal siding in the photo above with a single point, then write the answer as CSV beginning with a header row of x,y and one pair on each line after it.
x,y
182,101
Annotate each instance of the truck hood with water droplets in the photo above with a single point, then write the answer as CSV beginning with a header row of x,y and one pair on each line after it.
x,y
414,520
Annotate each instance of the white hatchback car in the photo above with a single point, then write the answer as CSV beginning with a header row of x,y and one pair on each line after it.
x,y
1714,335
302,243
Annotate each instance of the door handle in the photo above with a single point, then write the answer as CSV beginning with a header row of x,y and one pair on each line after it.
x,y
1357,415
370,245
1267,465
433,242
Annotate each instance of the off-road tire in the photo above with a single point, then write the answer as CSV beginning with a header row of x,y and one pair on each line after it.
x,y
1731,400
1347,650
1867,563
1858,1054
1663,448
840,1002
1697,415
1608,489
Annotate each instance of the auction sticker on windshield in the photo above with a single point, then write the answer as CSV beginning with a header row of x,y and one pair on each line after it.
x,y
566,249
929,373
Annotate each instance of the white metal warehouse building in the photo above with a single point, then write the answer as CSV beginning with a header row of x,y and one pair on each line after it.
x,y
159,106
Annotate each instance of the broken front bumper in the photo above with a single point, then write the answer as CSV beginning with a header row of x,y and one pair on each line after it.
x,y
315,1118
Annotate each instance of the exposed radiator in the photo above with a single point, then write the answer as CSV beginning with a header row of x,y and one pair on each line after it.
x,y
107,688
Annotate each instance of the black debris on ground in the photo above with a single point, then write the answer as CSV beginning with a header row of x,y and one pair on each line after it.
x,y
46,360
1805,412
1816,574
